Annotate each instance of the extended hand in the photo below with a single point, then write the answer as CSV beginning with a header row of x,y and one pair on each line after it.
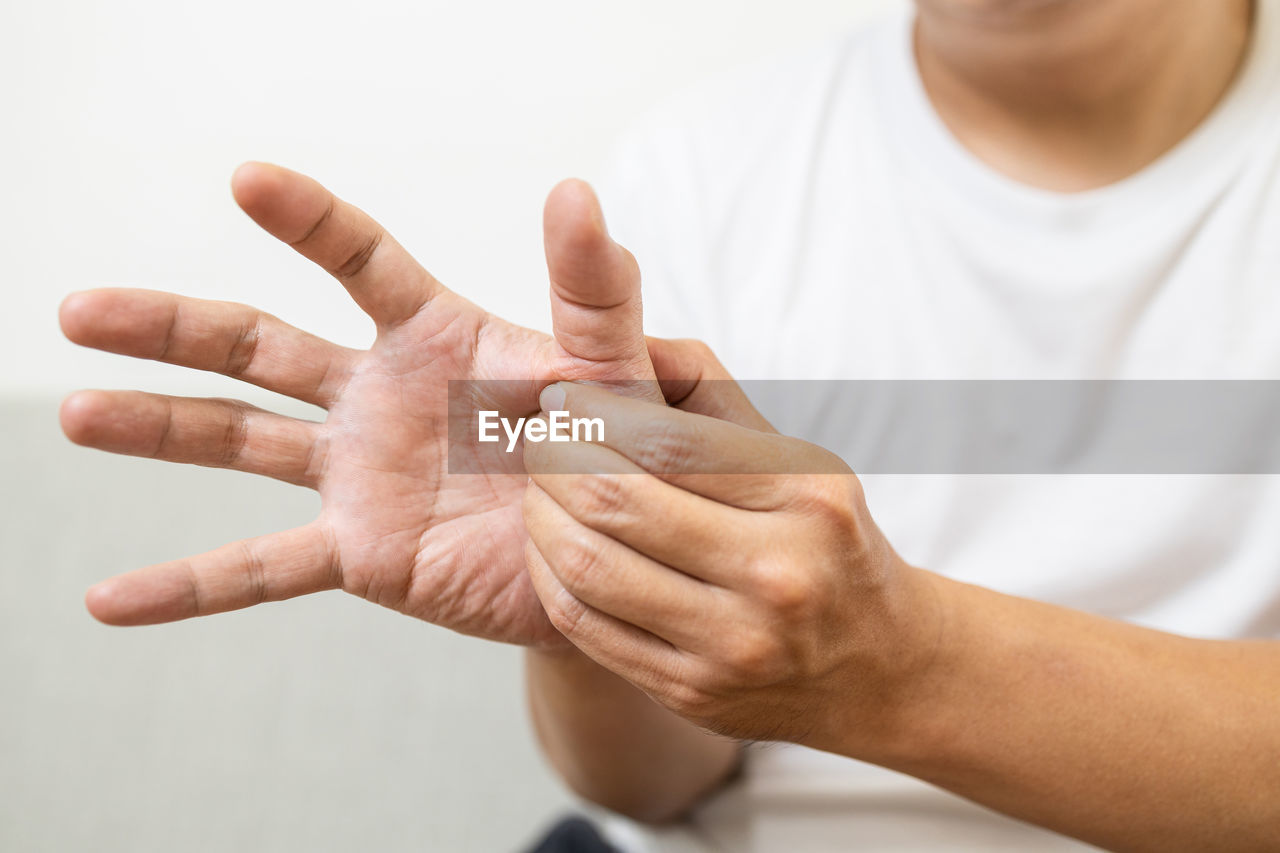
x,y
396,527
742,583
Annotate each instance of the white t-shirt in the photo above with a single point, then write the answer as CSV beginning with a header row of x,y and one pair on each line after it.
x,y
815,219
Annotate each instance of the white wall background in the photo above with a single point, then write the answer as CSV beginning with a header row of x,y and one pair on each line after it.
x,y
323,723
449,121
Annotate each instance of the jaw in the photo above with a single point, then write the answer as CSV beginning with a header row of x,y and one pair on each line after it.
x,y
1002,12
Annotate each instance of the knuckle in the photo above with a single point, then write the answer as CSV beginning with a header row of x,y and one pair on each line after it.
x,y
688,699
566,613
358,259
851,493
833,502
602,498
666,448
702,350
254,574
785,590
579,565
244,348
235,435
756,656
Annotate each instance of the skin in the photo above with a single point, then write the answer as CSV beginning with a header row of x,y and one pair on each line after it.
x,y
1018,83
396,527
1069,95
769,606
1066,95
610,742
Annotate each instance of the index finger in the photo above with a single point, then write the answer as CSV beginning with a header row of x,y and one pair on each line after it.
x,y
719,460
383,278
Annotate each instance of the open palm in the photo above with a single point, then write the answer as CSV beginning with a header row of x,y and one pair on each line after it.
x,y
396,526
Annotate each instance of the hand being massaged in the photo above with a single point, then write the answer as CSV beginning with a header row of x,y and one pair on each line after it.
x,y
395,527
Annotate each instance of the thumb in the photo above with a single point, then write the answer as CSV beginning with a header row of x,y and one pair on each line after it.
x,y
595,289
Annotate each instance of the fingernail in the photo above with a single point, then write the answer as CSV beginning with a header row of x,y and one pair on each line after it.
x,y
552,398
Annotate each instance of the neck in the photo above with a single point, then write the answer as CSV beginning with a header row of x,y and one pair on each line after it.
x,y
1069,95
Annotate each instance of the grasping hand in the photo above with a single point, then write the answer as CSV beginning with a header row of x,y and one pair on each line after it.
x,y
733,574
396,527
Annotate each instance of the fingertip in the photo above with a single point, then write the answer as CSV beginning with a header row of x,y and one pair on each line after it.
x,y
134,599
79,413
552,398
572,190
572,212
103,604
585,263
287,204
252,182
74,312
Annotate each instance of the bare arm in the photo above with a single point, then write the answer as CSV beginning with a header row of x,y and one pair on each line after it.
x,y
771,607
1125,737
609,741
615,746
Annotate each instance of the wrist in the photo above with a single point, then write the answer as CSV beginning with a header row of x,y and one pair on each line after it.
x,y
890,713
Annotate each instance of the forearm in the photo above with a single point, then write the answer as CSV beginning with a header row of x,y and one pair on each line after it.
x,y
1124,737
773,607
614,745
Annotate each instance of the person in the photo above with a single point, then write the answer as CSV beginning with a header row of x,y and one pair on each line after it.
x,y
1037,189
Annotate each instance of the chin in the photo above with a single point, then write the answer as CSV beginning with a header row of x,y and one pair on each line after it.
x,y
990,8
